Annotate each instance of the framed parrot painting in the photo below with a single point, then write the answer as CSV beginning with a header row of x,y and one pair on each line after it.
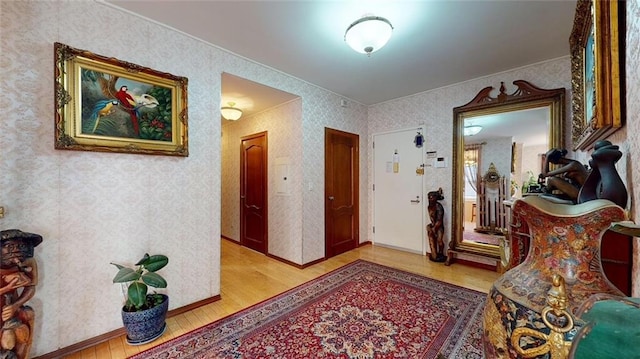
x,y
105,104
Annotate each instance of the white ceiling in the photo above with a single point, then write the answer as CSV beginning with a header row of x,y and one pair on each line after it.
x,y
435,43
530,126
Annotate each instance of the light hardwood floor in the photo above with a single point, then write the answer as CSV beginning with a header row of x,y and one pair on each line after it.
x,y
248,277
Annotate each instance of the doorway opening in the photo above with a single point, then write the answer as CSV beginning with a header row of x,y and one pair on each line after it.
x,y
264,110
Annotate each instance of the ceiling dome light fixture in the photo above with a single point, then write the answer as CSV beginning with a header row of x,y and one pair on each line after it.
x,y
472,130
230,112
368,34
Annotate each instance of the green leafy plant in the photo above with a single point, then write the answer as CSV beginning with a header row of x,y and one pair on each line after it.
x,y
532,181
139,279
155,123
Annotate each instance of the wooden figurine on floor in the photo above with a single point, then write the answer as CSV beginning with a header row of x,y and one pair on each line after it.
x,y
18,279
435,229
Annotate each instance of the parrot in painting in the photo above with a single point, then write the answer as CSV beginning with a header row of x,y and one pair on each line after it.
x,y
129,104
102,108
132,105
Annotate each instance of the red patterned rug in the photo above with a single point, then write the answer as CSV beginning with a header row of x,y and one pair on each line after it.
x,y
362,310
481,237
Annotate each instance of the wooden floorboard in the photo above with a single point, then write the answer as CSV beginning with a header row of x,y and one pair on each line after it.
x,y
248,277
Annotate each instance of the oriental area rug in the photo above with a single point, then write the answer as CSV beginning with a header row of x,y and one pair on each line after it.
x,y
362,310
481,237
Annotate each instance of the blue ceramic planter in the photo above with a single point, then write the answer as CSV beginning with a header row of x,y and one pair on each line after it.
x,y
147,325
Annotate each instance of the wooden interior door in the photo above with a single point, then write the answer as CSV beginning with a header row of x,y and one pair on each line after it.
x,y
616,255
253,192
341,181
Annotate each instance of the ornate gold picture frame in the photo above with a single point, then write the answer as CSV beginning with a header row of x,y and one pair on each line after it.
x,y
595,71
105,104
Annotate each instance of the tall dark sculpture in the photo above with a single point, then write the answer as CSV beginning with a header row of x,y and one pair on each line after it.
x,y
435,229
578,183
603,181
18,279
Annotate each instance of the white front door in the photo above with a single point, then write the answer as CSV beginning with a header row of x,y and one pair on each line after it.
x,y
399,200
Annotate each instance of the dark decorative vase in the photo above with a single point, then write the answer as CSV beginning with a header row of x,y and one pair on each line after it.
x,y
565,240
146,325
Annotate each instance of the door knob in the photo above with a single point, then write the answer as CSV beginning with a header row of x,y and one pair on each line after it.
x,y
417,200
330,198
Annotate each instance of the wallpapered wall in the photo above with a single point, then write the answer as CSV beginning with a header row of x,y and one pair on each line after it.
x,y
351,118
94,208
531,161
498,152
631,133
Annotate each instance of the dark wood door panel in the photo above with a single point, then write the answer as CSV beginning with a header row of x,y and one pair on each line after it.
x,y
341,192
616,257
253,192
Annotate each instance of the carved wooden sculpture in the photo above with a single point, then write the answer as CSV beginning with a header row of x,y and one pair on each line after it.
x,y
18,279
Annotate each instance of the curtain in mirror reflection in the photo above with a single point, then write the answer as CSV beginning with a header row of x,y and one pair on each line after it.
x,y
472,161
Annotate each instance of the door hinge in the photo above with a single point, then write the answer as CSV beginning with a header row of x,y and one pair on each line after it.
x,y
374,229
374,186
373,144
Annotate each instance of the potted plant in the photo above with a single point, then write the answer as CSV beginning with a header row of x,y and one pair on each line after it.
x,y
531,185
143,313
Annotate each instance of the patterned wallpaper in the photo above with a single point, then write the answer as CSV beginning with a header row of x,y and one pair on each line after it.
x,y
94,208
498,152
631,146
316,116
531,161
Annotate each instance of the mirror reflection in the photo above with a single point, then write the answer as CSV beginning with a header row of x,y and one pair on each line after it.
x,y
499,148
502,155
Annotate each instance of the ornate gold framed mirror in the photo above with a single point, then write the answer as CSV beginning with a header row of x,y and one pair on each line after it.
x,y
498,148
